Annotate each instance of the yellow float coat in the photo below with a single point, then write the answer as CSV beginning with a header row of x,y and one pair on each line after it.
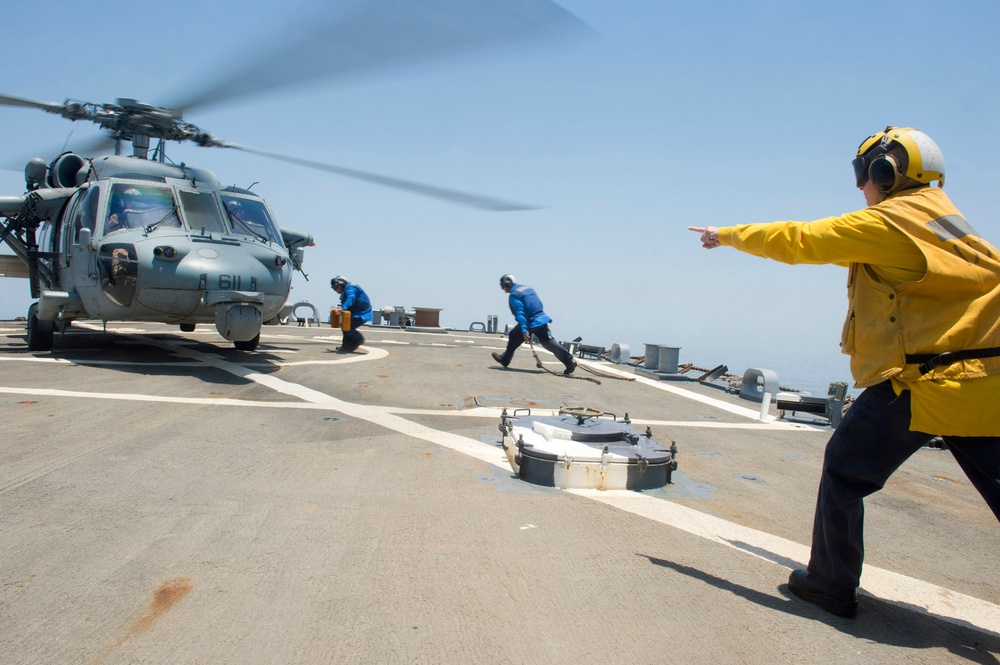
x,y
920,280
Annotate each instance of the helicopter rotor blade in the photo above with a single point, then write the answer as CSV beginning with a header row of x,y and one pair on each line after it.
x,y
454,196
10,100
387,32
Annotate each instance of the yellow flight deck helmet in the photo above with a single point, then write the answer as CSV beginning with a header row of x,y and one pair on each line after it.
x,y
925,163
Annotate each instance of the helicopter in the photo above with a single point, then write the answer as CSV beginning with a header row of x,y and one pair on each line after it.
x,y
130,239
136,237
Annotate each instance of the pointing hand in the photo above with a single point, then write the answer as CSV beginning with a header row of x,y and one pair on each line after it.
x,y
709,236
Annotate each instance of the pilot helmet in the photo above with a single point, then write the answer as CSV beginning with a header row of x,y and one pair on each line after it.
x,y
125,198
338,281
507,280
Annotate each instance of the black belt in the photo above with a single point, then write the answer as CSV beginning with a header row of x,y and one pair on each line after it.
x,y
929,361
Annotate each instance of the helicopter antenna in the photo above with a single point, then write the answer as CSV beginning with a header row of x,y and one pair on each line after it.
x,y
160,154
67,142
251,187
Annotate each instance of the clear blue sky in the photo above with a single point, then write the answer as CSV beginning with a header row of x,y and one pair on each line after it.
x,y
671,114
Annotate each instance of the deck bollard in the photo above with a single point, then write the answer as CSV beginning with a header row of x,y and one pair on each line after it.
x,y
652,356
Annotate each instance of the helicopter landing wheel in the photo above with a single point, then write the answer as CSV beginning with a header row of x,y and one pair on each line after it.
x,y
249,345
39,333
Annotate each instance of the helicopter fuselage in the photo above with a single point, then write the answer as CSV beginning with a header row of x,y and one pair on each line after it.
x,y
126,239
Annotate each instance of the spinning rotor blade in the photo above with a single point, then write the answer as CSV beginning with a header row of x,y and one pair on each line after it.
x,y
91,146
375,35
387,32
85,148
10,100
454,196
94,145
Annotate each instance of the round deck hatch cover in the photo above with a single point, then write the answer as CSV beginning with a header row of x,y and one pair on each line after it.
x,y
592,430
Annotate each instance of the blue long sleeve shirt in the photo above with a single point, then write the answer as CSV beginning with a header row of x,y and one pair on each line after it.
x,y
356,301
526,307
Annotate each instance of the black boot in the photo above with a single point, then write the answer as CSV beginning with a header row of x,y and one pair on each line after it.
x,y
837,600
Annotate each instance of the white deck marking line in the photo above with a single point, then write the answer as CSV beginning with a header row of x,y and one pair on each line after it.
x,y
680,392
938,601
373,354
63,361
948,604
481,412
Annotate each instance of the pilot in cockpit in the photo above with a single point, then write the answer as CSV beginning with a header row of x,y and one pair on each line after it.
x,y
121,201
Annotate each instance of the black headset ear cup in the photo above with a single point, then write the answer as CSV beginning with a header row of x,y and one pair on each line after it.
x,y
883,174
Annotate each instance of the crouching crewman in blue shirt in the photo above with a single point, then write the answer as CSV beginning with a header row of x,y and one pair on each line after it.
x,y
354,302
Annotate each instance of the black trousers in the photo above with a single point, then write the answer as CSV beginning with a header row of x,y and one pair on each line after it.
x,y
515,338
353,338
870,443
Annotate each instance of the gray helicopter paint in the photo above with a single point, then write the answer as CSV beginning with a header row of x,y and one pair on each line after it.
x,y
111,166
156,273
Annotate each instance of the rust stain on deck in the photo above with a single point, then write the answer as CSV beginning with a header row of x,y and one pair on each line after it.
x,y
164,598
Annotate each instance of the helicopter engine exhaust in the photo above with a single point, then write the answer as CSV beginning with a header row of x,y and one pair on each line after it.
x,y
238,322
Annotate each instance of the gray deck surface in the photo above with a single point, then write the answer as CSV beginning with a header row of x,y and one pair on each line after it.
x,y
165,498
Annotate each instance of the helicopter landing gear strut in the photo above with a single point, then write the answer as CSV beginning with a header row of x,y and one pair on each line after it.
x,y
39,333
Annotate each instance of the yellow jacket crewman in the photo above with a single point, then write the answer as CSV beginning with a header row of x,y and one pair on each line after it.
x,y
923,333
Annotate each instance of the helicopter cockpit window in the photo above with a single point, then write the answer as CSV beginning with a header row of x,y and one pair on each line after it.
x,y
201,212
249,216
140,206
88,216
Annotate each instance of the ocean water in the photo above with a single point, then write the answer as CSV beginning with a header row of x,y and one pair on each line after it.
x,y
805,371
